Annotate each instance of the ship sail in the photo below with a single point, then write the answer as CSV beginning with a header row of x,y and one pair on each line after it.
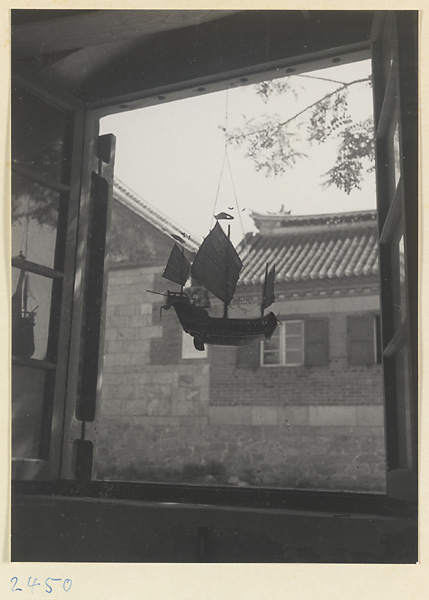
x,y
178,266
268,296
217,265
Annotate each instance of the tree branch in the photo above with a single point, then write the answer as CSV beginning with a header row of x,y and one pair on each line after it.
x,y
301,112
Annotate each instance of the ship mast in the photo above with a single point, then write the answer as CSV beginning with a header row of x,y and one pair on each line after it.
x,y
264,291
225,304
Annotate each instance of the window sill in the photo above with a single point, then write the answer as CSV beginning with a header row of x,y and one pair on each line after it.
x,y
338,504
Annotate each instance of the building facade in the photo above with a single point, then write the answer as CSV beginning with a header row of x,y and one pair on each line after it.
x,y
303,410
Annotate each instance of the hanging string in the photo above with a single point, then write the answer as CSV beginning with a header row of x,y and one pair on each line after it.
x,y
226,161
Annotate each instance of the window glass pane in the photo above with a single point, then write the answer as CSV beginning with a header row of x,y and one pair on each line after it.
x,y
27,408
272,353
34,221
271,358
293,342
273,343
39,130
31,307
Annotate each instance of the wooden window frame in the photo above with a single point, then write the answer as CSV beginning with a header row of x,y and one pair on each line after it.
x,y
395,60
283,335
48,464
306,342
96,108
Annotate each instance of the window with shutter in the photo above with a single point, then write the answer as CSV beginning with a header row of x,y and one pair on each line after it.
x,y
296,343
316,342
363,346
286,347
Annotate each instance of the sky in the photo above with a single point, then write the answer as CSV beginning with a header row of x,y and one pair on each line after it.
x,y
172,154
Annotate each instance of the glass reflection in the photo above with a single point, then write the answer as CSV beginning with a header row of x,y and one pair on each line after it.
x,y
31,307
34,221
394,155
38,135
27,410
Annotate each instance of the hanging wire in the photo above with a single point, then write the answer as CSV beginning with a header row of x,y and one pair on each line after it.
x,y
224,159
227,161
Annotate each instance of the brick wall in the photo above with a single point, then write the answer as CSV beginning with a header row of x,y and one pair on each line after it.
x,y
336,383
164,418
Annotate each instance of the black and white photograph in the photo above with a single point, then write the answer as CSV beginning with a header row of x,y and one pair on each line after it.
x,y
214,287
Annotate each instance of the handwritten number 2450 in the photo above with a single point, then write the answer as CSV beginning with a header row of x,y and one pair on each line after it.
x,y
50,584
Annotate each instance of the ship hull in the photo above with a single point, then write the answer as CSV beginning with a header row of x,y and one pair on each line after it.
x,y
219,331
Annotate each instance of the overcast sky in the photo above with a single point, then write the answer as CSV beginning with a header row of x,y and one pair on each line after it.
x,y
172,155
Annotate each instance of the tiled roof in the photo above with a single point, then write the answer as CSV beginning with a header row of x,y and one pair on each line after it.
x,y
123,194
314,248
278,221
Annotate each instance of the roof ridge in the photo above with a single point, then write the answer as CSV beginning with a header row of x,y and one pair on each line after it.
x,y
136,203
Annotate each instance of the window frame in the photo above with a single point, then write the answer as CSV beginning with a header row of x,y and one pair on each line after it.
x,y
282,333
95,109
306,342
395,94
48,463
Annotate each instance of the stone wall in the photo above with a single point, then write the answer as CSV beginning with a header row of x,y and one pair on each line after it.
x,y
202,420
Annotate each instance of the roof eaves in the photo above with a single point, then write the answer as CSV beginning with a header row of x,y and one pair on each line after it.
x,y
123,194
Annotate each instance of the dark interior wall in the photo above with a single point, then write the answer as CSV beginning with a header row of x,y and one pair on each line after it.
x,y
65,529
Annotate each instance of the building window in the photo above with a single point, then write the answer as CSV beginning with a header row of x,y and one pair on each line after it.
x,y
297,342
363,340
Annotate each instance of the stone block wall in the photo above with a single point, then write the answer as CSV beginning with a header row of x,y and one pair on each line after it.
x,y
202,420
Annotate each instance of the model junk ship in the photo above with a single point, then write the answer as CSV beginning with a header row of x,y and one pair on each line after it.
x,y
216,267
23,320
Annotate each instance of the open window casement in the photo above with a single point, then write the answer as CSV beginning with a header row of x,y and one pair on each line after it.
x,y
60,206
298,43
394,55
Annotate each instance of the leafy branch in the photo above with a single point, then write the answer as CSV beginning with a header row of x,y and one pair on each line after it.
x,y
273,146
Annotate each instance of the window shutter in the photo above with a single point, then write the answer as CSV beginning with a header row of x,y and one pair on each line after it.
x,y
316,342
360,340
248,357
